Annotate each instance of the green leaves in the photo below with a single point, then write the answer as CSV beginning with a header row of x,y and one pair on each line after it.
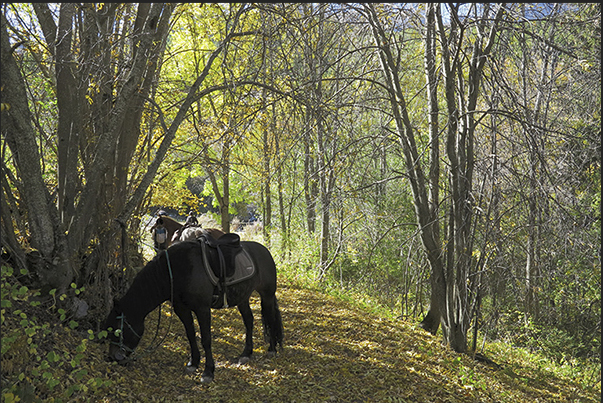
x,y
52,357
37,350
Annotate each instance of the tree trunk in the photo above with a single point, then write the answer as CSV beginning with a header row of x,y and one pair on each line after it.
x,y
449,288
225,201
431,322
310,183
266,186
47,237
70,120
459,150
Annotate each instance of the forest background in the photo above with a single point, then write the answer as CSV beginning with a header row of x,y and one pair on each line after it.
x,y
442,162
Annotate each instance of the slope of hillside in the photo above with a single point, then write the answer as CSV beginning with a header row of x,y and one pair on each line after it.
x,y
333,352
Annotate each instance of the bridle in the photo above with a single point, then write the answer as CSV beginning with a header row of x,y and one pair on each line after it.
x,y
123,349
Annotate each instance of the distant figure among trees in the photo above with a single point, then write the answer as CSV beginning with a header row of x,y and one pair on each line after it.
x,y
160,235
191,220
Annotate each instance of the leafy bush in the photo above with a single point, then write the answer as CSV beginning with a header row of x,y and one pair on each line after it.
x,y
38,361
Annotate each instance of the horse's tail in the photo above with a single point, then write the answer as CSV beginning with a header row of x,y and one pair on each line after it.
x,y
273,324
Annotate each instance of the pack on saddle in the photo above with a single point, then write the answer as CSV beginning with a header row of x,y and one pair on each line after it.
x,y
226,262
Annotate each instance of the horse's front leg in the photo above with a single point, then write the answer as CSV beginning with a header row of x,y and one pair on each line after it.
x,y
247,315
186,317
204,319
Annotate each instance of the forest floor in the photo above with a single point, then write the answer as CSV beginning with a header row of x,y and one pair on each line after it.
x,y
333,351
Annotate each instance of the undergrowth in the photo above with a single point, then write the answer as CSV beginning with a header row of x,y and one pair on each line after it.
x,y
40,360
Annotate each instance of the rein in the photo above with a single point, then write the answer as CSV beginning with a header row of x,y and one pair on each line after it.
x,y
123,320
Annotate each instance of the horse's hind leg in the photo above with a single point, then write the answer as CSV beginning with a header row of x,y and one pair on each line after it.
x,y
186,317
248,321
204,319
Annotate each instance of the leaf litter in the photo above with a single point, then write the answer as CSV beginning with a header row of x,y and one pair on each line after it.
x,y
333,351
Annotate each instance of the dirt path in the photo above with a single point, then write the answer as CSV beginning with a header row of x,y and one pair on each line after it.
x,y
333,352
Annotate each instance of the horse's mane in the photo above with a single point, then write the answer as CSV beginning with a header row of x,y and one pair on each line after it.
x,y
154,276
161,258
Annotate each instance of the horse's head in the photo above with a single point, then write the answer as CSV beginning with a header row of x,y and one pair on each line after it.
x,y
124,334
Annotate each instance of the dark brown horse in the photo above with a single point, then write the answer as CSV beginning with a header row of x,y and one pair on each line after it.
x,y
180,274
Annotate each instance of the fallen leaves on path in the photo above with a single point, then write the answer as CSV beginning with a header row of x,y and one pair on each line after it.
x,y
333,352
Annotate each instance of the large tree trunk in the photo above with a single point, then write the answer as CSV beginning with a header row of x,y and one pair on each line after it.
x,y
47,237
69,97
462,93
431,322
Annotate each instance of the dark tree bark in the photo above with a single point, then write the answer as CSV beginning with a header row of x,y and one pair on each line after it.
x,y
46,235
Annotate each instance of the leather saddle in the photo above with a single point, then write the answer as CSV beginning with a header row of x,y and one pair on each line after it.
x,y
226,262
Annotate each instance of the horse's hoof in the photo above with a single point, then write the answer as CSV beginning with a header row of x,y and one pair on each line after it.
x,y
244,360
207,379
190,369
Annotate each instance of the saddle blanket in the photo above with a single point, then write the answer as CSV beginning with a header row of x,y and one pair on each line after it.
x,y
243,267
